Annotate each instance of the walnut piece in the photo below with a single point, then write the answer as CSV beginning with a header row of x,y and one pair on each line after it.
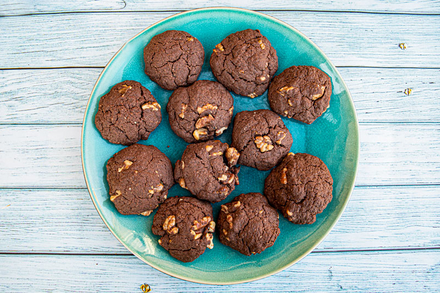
x,y
260,41
232,155
127,165
151,105
117,193
237,204
220,131
211,227
169,223
263,143
203,222
317,96
146,213
206,107
283,178
200,133
182,183
285,89
182,112
208,148
226,178
281,135
124,89
204,121
209,237
252,95
219,47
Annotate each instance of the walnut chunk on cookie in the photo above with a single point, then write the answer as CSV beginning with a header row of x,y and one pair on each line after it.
x,y
300,187
244,62
201,111
127,114
173,59
300,92
248,224
139,177
186,227
207,170
261,138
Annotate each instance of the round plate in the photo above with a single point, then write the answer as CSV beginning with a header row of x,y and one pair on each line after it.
x,y
333,138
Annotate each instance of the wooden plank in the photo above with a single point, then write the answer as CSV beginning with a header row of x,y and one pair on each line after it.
x,y
48,221
91,39
378,94
21,7
35,96
318,272
49,156
65,221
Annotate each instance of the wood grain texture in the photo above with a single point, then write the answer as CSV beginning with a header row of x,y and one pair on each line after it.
x,y
65,221
318,272
49,155
35,96
402,6
91,39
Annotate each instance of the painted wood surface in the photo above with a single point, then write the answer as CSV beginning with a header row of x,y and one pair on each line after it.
x,y
23,7
34,96
51,237
49,155
350,39
372,221
399,271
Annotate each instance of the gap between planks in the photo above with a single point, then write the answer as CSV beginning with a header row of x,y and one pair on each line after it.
x,y
315,251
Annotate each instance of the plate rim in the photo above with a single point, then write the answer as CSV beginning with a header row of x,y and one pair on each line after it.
x,y
356,145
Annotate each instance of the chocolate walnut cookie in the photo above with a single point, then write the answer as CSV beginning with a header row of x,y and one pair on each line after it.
x,y
207,170
248,224
300,187
173,59
201,111
127,114
139,177
245,62
261,138
300,92
186,227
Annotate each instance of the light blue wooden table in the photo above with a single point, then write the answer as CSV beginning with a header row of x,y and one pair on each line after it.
x,y
51,237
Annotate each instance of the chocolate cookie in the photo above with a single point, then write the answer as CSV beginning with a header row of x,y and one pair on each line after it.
x,y
173,59
245,62
207,170
248,224
127,114
186,227
300,187
201,111
139,177
261,138
300,92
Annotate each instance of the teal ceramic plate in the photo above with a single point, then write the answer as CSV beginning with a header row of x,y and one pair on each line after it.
x,y
333,137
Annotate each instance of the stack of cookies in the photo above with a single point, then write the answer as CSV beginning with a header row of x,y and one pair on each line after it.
x,y
139,176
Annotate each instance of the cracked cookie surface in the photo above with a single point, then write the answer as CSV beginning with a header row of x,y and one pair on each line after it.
x,y
186,227
207,170
261,138
139,177
244,62
173,59
201,111
300,187
127,114
248,224
300,92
